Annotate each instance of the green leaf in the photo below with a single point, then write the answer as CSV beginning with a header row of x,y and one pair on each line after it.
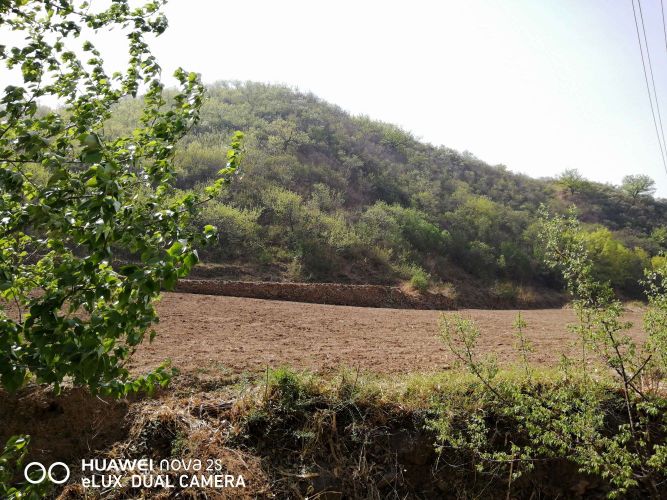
x,y
175,249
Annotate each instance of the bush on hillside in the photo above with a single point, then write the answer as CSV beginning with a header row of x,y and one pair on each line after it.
x,y
420,279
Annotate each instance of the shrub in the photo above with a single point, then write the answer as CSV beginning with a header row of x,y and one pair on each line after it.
x,y
406,231
613,262
611,426
480,260
239,234
295,268
506,291
420,279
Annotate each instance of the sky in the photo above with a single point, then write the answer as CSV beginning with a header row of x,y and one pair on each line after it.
x,y
538,86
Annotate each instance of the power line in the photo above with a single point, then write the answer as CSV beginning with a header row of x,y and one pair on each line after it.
x,y
650,69
648,86
664,26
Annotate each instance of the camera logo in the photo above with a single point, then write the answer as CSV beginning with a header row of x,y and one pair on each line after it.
x,y
46,472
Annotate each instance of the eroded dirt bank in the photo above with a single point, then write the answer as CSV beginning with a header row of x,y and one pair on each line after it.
x,y
368,295
285,440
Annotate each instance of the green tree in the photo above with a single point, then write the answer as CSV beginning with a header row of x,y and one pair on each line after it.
x,y
659,235
403,230
75,312
636,186
572,180
238,230
284,136
613,262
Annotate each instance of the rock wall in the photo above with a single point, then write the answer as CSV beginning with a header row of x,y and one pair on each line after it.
x,y
320,293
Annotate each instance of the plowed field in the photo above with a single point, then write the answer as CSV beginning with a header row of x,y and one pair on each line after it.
x,y
205,333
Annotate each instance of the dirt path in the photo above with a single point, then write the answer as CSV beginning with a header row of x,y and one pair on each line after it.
x,y
210,333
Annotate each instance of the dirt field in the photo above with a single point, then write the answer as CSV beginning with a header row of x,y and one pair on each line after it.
x,y
214,334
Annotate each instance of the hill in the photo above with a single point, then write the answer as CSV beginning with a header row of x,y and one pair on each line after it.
x,y
326,196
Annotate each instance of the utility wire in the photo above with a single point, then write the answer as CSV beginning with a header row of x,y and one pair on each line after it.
x,y
664,26
648,86
650,69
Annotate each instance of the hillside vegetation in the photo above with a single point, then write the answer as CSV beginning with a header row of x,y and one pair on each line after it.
x,y
326,196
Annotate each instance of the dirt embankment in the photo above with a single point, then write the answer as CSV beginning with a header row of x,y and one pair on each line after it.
x,y
362,295
323,447
320,293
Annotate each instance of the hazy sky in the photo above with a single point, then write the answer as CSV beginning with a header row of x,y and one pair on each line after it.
x,y
537,85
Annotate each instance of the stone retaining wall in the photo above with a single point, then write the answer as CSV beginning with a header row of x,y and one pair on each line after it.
x,y
320,293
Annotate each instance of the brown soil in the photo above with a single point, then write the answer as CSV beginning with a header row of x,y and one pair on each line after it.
x,y
67,426
213,334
